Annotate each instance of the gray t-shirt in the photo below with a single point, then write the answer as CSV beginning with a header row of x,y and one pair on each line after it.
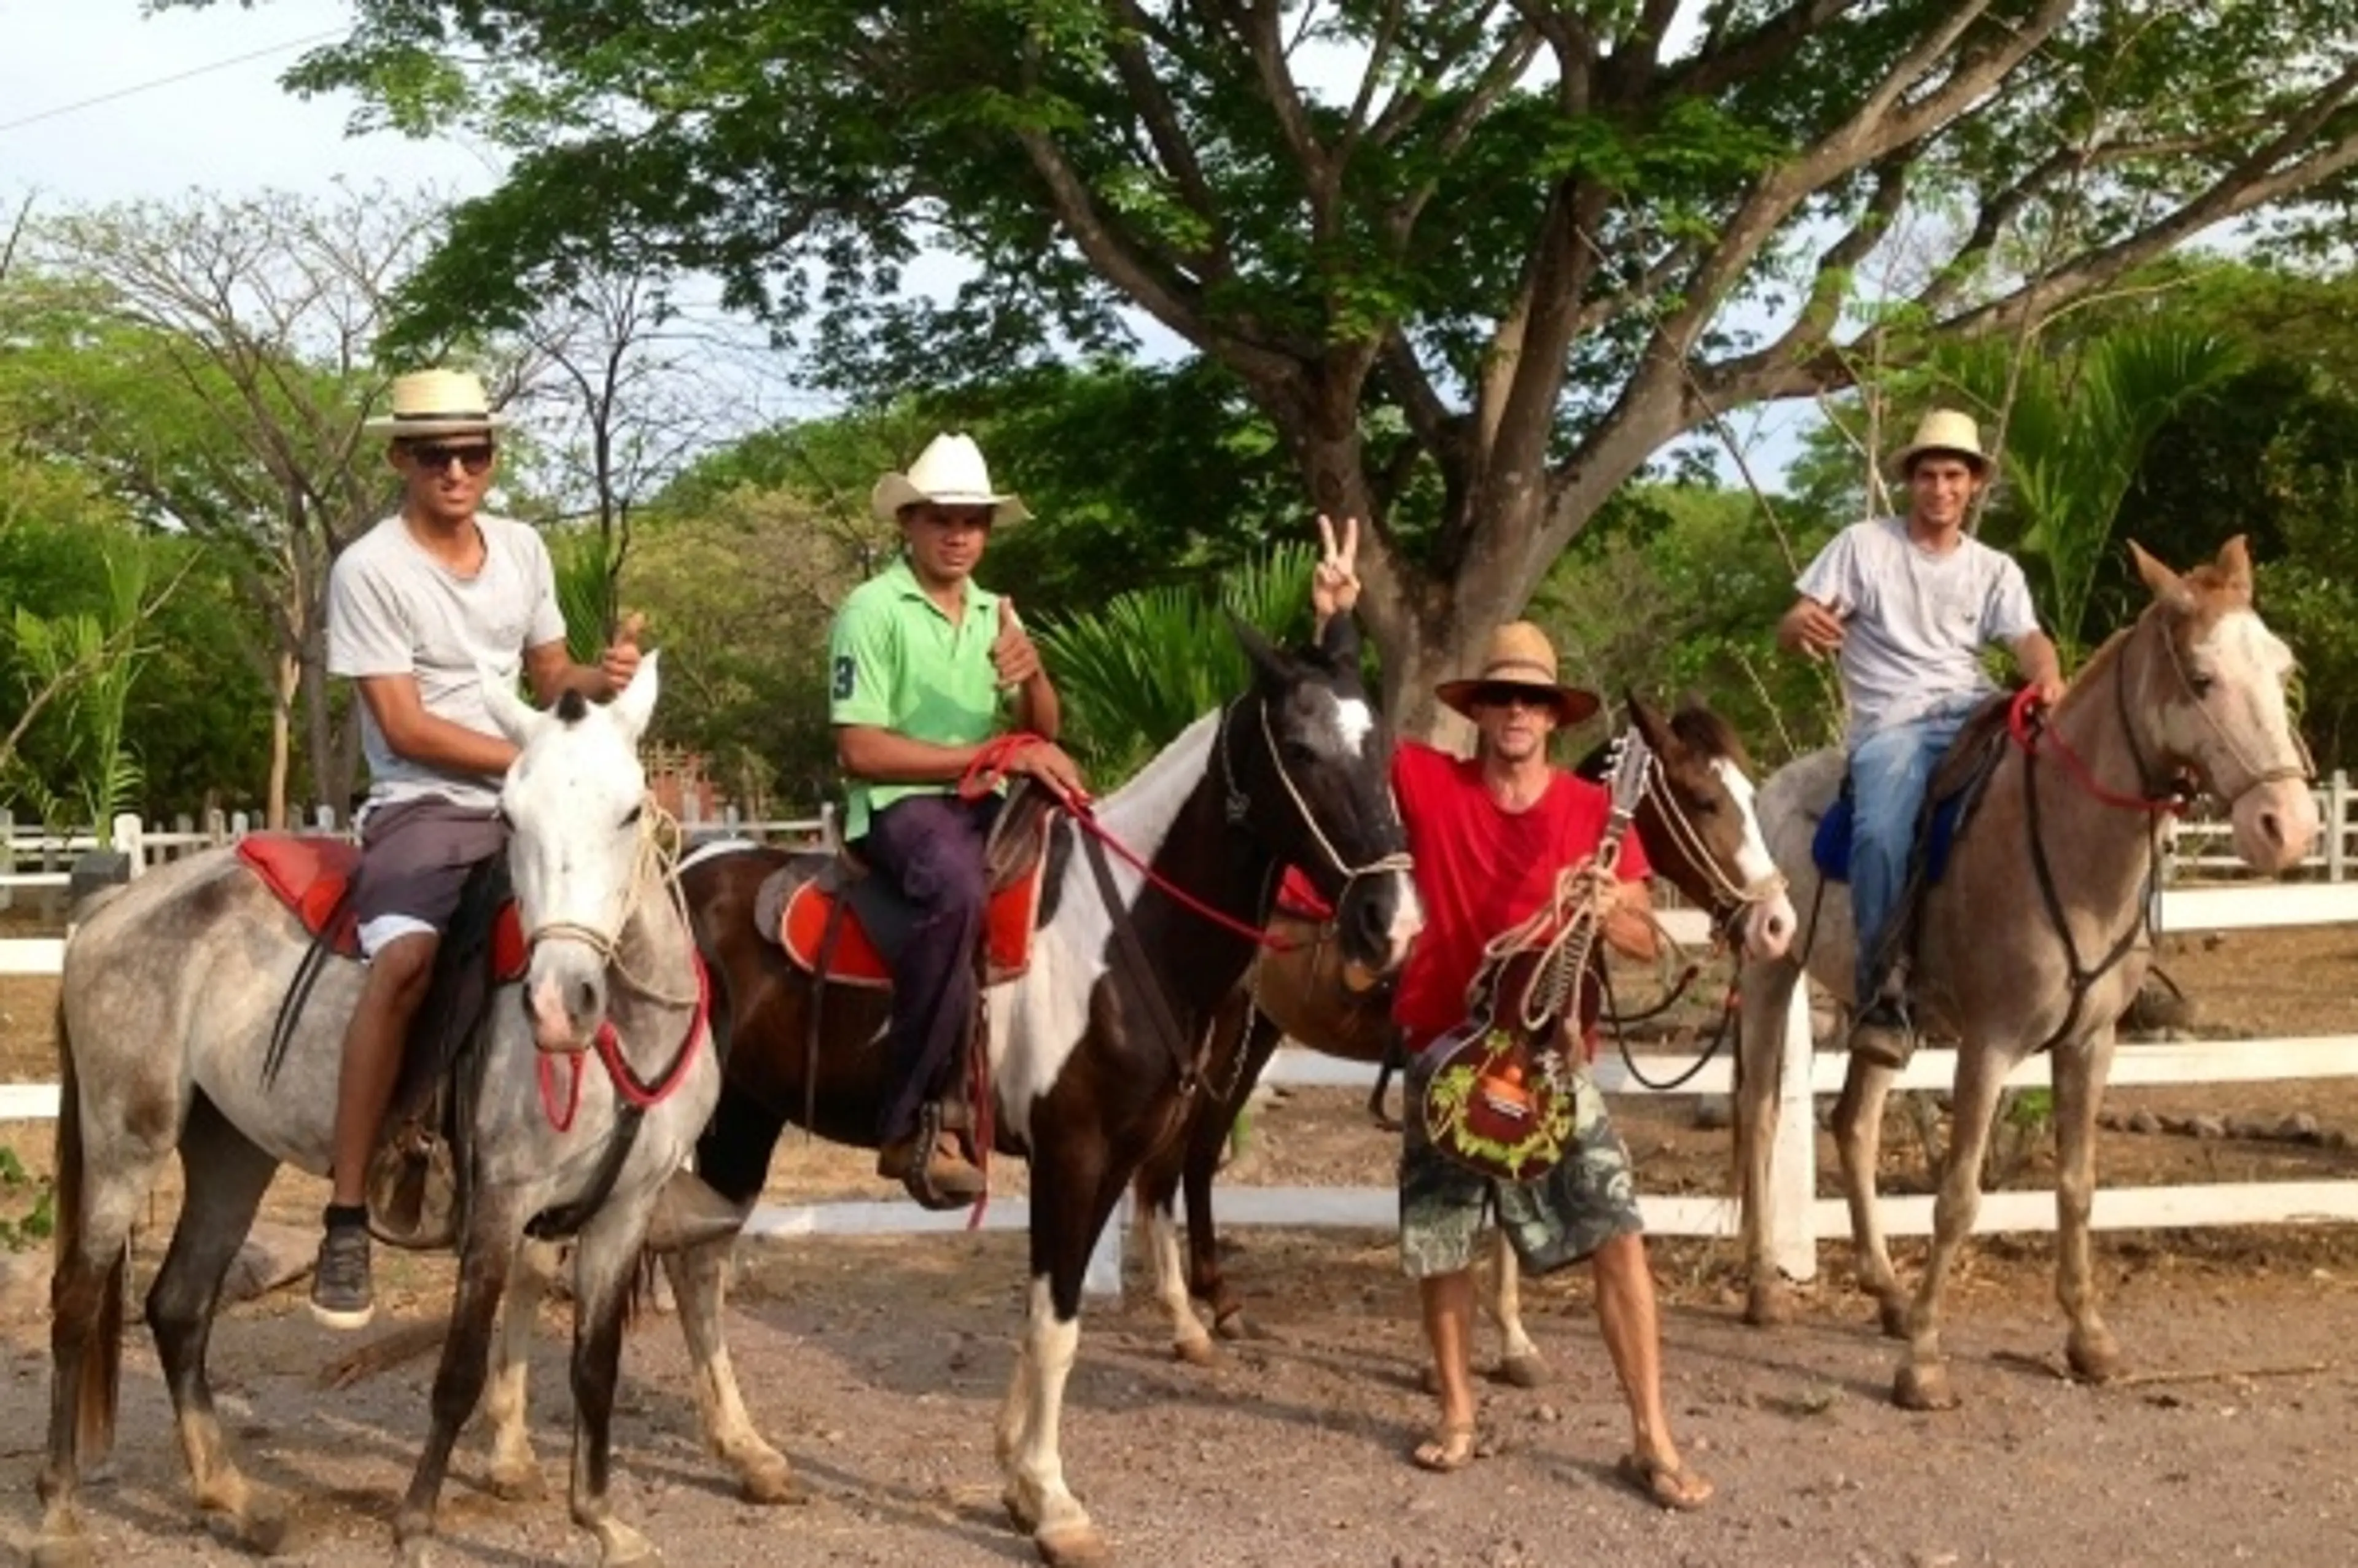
x,y
1915,622
393,610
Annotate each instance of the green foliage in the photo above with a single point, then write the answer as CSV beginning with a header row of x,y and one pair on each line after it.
x,y
40,1221
586,589
91,661
1136,672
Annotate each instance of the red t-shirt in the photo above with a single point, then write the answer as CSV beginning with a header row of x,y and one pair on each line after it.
x,y
1480,870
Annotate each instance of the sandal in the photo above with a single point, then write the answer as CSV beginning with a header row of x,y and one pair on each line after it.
x,y
1452,1447
1671,1486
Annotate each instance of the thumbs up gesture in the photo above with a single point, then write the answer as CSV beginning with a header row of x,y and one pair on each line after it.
x,y
1012,654
620,662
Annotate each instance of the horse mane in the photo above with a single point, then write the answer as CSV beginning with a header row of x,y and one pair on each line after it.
x,y
1707,731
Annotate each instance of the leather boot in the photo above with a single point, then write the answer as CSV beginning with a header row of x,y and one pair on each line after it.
x,y
945,1181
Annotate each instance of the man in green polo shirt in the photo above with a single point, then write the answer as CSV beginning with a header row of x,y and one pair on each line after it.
x,y
925,666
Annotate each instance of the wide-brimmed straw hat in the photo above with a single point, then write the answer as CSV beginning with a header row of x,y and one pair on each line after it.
x,y
1520,654
1943,430
949,472
428,402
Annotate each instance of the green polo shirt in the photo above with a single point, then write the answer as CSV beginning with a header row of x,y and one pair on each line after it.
x,y
895,662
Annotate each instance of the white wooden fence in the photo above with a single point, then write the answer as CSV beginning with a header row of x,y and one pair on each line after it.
x,y
1803,1216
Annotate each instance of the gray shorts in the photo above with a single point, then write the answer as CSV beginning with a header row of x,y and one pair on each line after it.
x,y
1586,1201
416,858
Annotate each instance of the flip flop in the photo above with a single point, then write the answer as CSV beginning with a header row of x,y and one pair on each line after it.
x,y
1452,1447
1674,1487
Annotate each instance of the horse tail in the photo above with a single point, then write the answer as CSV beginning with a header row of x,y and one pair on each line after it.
x,y
100,1387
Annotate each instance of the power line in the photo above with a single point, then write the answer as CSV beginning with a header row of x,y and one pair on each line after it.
x,y
168,81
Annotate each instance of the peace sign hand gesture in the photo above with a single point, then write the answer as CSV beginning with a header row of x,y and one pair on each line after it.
x,y
1335,583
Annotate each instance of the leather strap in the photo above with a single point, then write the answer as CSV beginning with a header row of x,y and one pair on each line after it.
x,y
1130,955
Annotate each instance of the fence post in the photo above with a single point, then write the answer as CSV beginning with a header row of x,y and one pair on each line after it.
x,y
131,838
1793,1163
2336,841
323,819
8,859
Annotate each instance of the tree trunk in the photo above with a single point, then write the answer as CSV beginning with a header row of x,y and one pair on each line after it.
x,y
286,676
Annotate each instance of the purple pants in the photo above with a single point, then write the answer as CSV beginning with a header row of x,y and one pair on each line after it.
x,y
931,846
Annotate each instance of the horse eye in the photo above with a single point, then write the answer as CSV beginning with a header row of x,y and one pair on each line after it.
x,y
2201,685
636,812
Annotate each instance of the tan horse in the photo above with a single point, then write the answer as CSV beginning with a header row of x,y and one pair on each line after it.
x,y
1697,825
2035,937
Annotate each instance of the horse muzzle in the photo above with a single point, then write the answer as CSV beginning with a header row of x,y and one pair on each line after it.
x,y
1768,926
2277,824
565,997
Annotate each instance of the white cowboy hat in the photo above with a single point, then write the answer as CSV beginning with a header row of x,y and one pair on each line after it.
x,y
436,402
1943,430
949,473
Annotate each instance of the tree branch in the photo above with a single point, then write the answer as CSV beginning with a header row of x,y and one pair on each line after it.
x,y
1750,55
1162,117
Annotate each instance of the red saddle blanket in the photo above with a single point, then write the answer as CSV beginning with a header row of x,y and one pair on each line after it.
x,y
310,873
859,961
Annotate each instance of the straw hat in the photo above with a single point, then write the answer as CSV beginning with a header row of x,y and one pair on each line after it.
x,y
1520,655
949,472
436,402
1943,430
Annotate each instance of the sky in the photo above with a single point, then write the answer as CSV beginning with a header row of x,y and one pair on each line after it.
x,y
101,103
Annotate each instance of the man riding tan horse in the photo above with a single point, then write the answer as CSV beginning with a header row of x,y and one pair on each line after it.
x,y
2034,939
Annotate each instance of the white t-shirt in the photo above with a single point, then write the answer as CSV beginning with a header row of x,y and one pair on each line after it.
x,y
394,609
1914,622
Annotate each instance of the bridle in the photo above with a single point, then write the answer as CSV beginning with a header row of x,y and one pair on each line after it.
x,y
653,863
1730,900
1239,806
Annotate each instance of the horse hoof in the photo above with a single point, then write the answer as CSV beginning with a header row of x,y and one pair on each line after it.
x,y
1892,1315
264,1531
620,1546
2096,1359
61,1551
1768,1306
772,1485
1924,1388
519,1483
1193,1352
1235,1326
1523,1371
1074,1546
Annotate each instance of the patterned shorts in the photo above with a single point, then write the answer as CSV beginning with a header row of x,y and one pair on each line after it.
x,y
1585,1202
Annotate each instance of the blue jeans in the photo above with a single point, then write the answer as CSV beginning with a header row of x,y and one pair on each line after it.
x,y
1889,771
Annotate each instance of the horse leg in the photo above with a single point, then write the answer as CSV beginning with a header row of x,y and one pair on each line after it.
x,y
486,1256
1767,992
1207,1280
225,1174
700,1278
102,1175
604,1256
515,1472
1189,1342
2079,1071
1072,1199
1923,1380
1858,1137
1519,1359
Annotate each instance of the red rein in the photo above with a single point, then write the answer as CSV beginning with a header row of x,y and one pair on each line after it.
x,y
2022,722
618,1071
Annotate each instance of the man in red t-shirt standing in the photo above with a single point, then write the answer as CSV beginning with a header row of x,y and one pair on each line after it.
x,y
1489,833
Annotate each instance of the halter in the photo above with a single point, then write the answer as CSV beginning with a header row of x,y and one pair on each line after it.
x,y
653,862
1239,807
1730,899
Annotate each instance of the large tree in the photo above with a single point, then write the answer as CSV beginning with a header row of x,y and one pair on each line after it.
x,y
1476,261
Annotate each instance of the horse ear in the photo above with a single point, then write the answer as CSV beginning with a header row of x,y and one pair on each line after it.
x,y
635,704
1338,645
1269,664
2167,586
1650,724
2235,563
516,719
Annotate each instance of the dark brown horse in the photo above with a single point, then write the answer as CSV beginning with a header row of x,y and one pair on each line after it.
x,y
1096,1055
1696,822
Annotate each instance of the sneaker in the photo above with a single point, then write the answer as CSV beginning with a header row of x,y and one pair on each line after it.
x,y
339,1281
1881,1035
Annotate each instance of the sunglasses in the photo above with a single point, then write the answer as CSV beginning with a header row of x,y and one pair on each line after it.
x,y
434,457
1503,694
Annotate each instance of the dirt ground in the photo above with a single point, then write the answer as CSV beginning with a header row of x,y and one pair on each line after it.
x,y
877,1365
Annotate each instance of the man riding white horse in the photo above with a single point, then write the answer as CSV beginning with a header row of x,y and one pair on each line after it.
x,y
1905,606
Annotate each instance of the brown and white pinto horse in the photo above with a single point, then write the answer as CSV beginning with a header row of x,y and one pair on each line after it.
x,y
1292,772
1696,822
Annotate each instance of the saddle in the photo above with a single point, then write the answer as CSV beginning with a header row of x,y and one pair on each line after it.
x,y
417,1176
849,927
1952,796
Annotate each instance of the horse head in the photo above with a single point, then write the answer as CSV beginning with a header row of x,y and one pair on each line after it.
x,y
1308,764
2216,705
1699,828
574,801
